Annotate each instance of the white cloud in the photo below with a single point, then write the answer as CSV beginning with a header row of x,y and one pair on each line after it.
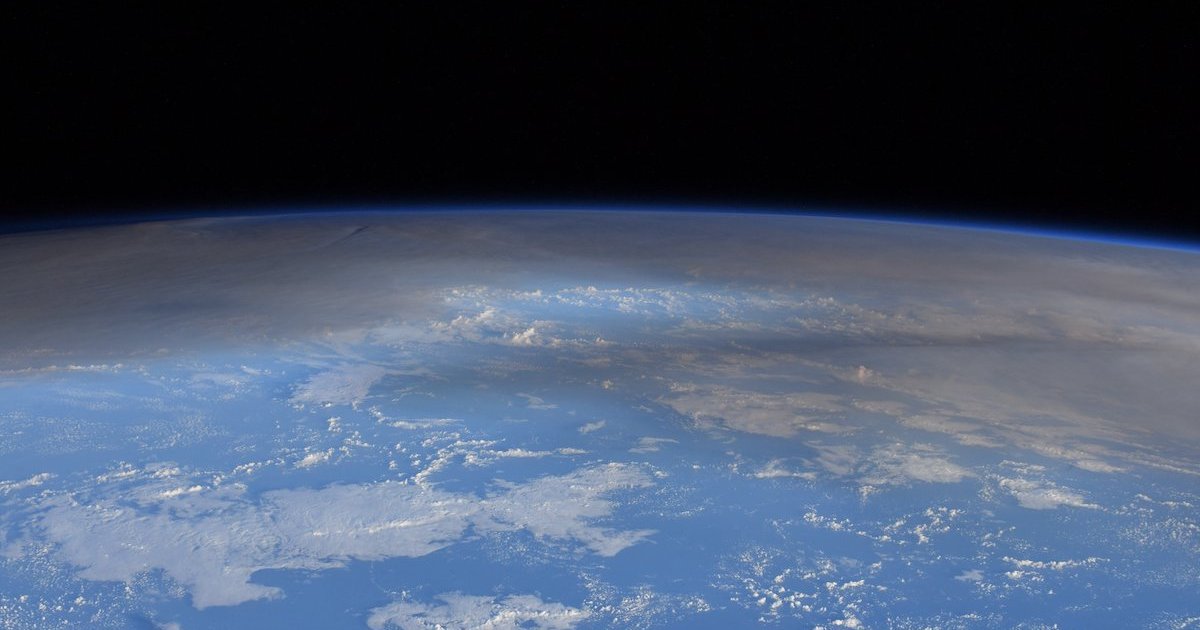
x,y
180,491
486,457
970,575
903,463
493,324
412,423
344,385
775,469
1042,495
527,337
457,610
520,453
32,482
642,606
592,426
314,458
651,444
563,508
214,548
1054,565
974,439
1095,465
646,301
848,620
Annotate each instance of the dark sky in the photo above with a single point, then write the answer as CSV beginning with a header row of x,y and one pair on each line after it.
x,y
1072,116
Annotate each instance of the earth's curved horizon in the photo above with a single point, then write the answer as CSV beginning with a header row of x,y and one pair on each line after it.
x,y
596,419
941,219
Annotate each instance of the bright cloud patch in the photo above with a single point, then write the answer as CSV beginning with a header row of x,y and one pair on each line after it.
x,y
213,542
1042,495
651,444
775,469
1054,565
901,464
314,458
457,610
32,482
563,508
346,385
592,427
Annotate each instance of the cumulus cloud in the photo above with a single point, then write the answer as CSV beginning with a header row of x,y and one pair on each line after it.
x,y
7,487
489,318
314,458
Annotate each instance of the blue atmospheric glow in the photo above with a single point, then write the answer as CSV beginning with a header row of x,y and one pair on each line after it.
x,y
878,215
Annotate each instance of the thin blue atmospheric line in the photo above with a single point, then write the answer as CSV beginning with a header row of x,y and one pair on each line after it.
x,y
1017,230
298,210
990,227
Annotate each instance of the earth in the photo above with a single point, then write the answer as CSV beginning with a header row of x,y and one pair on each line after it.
x,y
596,419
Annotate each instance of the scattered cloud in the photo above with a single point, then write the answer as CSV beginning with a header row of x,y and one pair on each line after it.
x,y
486,457
314,458
7,487
456,610
1054,565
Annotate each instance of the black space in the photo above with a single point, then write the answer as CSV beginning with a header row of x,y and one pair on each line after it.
x,y
1079,117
